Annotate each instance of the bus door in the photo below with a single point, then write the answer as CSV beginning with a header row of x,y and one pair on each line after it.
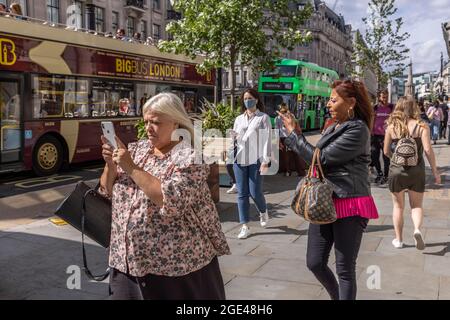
x,y
10,121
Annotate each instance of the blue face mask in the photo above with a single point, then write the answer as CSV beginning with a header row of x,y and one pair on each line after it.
x,y
250,104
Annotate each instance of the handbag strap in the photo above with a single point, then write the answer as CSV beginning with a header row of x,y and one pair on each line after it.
x,y
89,274
319,164
316,162
313,164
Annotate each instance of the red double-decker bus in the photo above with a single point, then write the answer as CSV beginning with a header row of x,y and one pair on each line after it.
x,y
57,85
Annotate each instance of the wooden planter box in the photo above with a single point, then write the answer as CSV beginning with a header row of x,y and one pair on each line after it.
x,y
213,182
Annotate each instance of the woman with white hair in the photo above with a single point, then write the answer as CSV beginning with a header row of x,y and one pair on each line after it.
x,y
166,234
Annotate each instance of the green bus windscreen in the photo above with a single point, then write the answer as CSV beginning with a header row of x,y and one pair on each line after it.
x,y
303,87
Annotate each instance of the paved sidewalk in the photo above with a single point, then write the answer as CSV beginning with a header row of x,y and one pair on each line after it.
x,y
270,264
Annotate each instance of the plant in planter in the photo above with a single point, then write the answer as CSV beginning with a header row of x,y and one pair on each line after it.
x,y
220,116
140,126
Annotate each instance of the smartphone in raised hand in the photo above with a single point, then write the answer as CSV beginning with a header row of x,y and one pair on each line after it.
x,y
109,133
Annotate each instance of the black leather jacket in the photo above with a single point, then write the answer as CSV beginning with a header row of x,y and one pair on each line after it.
x,y
345,157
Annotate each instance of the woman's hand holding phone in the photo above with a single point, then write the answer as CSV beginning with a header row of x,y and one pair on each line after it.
x,y
107,153
122,157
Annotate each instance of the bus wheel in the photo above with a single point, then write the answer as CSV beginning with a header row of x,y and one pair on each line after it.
x,y
47,156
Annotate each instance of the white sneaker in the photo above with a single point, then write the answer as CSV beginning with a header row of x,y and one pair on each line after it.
x,y
397,243
245,231
233,189
264,219
418,240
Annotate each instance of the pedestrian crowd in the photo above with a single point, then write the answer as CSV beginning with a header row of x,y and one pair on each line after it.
x,y
166,234
14,10
136,38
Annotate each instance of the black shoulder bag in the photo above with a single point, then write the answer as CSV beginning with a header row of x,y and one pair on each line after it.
x,y
88,211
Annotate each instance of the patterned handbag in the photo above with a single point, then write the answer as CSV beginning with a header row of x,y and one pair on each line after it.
x,y
313,197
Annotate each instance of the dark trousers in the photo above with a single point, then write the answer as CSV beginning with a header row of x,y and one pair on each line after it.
x,y
442,134
203,284
290,161
231,173
346,235
448,135
377,145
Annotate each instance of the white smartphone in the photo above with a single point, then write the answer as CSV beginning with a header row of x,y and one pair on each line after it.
x,y
109,133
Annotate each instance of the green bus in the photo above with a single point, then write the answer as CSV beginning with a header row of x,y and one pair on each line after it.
x,y
303,86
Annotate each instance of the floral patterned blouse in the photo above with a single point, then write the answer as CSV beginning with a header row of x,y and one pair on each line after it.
x,y
180,237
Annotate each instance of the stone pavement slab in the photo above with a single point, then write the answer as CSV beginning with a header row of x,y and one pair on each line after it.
x,y
437,265
370,243
444,288
289,251
286,270
398,282
244,288
241,265
270,264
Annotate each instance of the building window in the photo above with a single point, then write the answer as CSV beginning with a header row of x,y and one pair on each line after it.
x,y
53,11
245,79
99,19
157,4
156,32
115,21
226,80
130,26
144,31
238,77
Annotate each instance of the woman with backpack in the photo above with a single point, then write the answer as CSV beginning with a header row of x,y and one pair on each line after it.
x,y
407,137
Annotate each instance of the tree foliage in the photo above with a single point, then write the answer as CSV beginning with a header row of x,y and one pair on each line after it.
x,y
382,48
250,31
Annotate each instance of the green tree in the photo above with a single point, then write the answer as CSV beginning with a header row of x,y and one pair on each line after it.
x,y
382,48
224,32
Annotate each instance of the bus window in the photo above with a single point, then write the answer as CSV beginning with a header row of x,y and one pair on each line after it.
x,y
305,73
112,98
48,95
281,71
189,102
55,97
76,98
144,91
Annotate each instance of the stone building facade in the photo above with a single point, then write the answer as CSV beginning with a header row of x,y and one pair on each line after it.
x,y
148,17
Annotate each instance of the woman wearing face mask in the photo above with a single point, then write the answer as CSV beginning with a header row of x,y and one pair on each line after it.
x,y
252,132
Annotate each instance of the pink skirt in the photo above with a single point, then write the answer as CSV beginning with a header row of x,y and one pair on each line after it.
x,y
363,206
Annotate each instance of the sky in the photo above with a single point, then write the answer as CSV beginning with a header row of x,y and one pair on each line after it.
x,y
422,19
